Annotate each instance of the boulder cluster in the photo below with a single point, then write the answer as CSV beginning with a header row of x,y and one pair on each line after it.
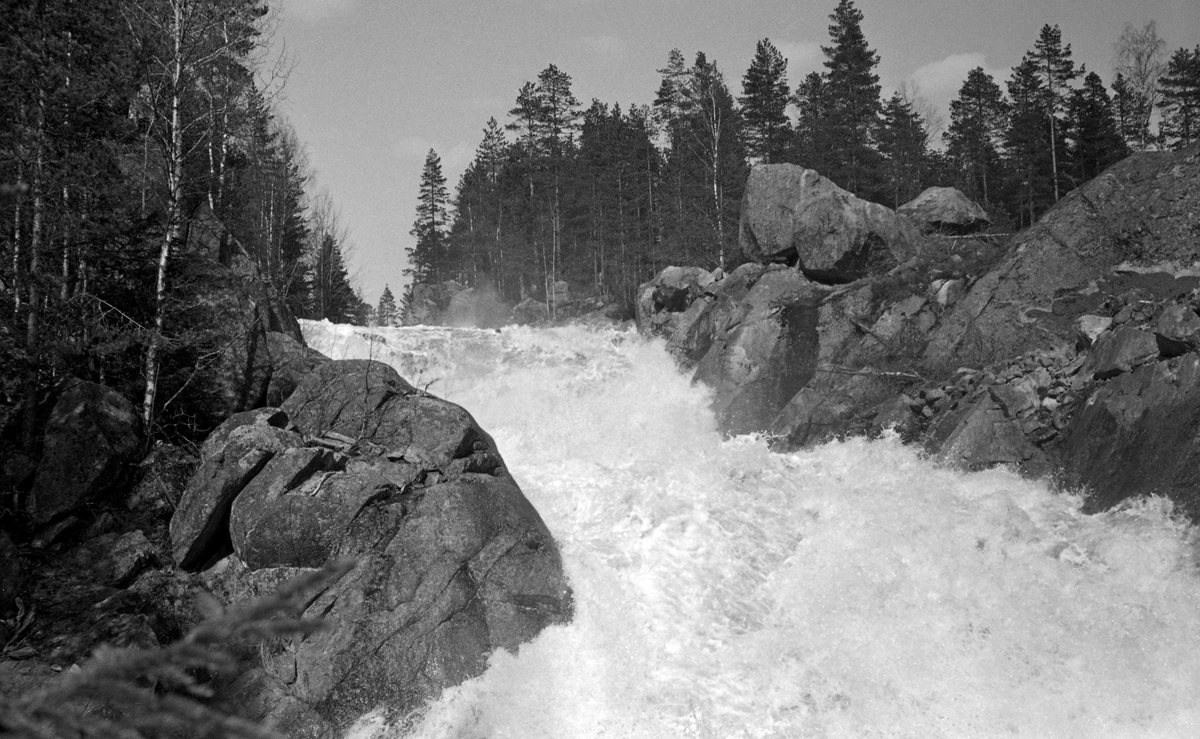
x,y
1065,351
451,562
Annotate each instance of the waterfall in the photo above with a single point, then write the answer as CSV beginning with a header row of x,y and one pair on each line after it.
x,y
852,590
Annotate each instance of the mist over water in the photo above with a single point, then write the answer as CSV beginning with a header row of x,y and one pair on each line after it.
x,y
852,590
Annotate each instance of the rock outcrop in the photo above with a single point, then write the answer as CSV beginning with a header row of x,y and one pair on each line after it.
x,y
946,210
1068,351
794,216
453,561
1129,230
91,441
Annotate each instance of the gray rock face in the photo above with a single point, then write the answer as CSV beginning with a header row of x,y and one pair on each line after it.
x,y
1138,434
91,440
200,525
662,301
945,210
795,216
1140,212
766,354
452,560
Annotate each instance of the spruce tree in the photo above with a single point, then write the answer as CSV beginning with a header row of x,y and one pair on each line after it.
x,y
809,142
902,142
1055,70
1030,185
385,313
1096,142
428,258
978,117
852,102
764,103
1181,98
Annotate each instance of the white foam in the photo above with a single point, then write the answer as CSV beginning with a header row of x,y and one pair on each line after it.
x,y
853,590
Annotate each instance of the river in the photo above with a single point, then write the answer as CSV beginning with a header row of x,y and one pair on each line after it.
x,y
852,590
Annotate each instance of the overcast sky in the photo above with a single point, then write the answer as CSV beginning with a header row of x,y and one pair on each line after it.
x,y
377,83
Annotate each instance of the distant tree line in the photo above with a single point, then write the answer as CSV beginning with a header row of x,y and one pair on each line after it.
x,y
127,126
602,196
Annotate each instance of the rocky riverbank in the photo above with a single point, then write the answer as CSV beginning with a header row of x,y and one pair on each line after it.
x,y
1065,351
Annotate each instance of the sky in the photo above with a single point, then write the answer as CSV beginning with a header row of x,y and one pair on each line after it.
x,y
375,84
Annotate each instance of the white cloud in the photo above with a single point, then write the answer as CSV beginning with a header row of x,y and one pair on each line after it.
x,y
802,57
315,10
939,82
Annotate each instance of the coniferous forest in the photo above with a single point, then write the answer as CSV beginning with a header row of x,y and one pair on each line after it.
x,y
140,142
139,145
602,196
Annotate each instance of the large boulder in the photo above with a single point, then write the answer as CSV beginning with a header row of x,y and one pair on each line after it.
x,y
1129,229
795,216
91,441
662,300
766,354
693,331
1139,434
452,560
238,451
946,210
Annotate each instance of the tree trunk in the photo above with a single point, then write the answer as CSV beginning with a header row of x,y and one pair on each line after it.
x,y
175,225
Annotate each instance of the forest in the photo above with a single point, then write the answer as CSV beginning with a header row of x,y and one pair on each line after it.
x,y
602,197
139,146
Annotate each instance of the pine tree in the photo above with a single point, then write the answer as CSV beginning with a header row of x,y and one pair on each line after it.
x,y
1055,70
428,258
978,117
385,314
852,102
809,146
1181,98
1096,142
902,142
1030,185
1130,111
764,103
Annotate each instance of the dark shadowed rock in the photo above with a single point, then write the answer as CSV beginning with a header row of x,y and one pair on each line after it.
x,y
291,361
1139,434
662,300
1120,351
10,577
92,439
112,560
945,210
793,215
200,526
1177,330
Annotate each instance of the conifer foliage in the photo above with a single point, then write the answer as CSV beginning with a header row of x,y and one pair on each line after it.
x,y
428,257
139,147
764,102
603,196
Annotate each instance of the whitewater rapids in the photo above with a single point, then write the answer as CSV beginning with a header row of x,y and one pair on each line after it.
x,y
852,590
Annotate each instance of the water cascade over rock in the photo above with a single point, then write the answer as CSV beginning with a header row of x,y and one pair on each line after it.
x,y
850,589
